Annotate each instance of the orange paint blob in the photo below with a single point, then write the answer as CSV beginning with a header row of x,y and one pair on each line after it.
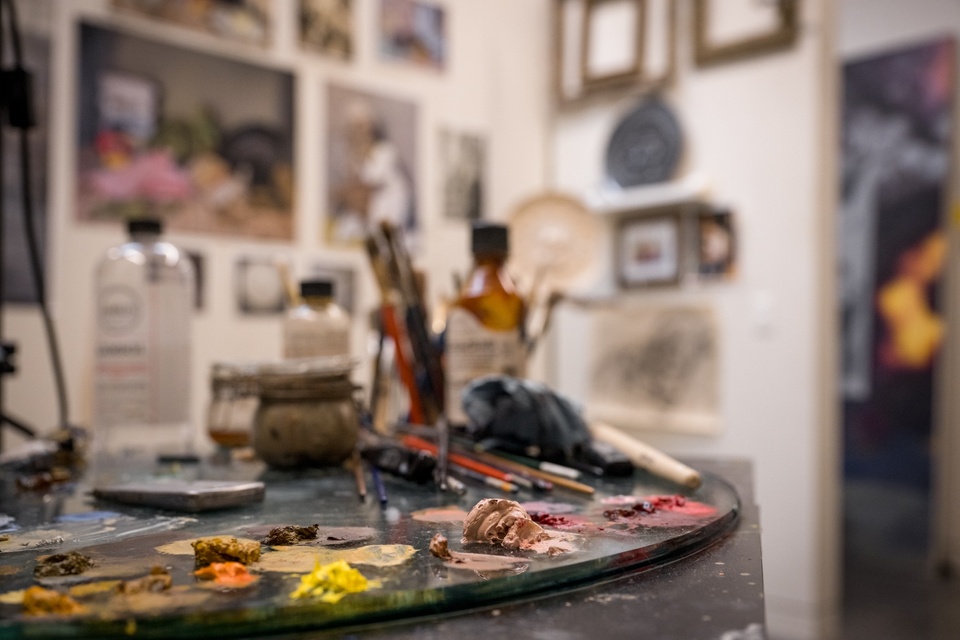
x,y
226,574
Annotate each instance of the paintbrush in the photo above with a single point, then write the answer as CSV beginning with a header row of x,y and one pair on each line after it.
x,y
391,327
378,485
559,481
358,477
470,474
420,444
646,457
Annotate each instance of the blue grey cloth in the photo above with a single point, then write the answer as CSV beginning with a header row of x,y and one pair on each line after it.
x,y
525,417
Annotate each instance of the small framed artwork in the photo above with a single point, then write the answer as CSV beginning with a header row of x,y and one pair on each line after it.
x,y
613,44
727,30
463,162
648,249
716,243
612,41
239,20
326,26
414,32
259,286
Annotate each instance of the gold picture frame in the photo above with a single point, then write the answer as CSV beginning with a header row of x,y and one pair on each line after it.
x,y
650,45
781,36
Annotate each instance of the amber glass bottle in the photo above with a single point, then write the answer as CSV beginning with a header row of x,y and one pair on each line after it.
x,y
485,324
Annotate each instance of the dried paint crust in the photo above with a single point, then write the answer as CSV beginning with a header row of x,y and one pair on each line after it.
x,y
209,550
291,534
38,601
158,580
62,564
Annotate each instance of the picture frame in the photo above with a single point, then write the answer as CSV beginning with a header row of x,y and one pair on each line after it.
x,y
716,243
586,65
649,248
618,57
742,29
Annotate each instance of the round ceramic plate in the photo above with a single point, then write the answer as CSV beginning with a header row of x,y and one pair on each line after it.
x,y
645,147
554,238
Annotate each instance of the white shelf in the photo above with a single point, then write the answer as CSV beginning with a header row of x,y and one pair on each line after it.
x,y
611,199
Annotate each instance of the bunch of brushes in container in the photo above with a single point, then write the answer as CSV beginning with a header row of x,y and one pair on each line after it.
x,y
417,443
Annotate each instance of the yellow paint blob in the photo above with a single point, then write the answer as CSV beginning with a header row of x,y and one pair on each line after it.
x,y
331,582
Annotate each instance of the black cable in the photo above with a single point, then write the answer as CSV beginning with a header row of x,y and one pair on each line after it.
x,y
2,213
36,267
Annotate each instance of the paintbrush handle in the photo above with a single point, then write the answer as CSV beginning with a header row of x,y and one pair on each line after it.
x,y
646,457
419,443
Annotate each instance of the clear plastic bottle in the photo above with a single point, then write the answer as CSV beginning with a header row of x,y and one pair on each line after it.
x,y
484,334
144,298
316,327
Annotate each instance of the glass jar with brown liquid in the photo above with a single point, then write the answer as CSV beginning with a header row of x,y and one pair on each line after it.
x,y
484,333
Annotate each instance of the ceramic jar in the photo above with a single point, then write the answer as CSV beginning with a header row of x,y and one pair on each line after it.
x,y
307,415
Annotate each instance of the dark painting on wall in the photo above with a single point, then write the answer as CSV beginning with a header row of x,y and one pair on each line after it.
x,y
18,281
171,132
896,132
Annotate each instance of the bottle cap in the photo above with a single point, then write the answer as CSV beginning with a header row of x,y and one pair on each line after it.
x,y
316,289
152,226
489,237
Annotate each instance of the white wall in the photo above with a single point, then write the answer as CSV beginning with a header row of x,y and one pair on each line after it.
x,y
496,83
754,130
865,27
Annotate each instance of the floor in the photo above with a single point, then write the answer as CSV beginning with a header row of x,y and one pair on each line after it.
x,y
891,590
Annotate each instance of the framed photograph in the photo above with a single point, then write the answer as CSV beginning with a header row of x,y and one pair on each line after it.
x,y
649,249
716,243
613,44
463,158
326,26
171,132
240,20
414,32
727,30
371,158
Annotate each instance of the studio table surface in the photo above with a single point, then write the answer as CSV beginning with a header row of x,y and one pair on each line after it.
x,y
696,581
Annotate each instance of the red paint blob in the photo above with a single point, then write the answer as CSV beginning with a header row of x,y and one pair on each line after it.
x,y
662,511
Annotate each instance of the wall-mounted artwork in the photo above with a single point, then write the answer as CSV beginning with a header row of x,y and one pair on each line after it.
x,y
413,32
613,44
655,368
326,26
18,280
716,240
240,20
177,133
463,158
728,30
649,249
371,159
258,285
897,145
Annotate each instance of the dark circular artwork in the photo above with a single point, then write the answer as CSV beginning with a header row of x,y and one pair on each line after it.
x,y
645,147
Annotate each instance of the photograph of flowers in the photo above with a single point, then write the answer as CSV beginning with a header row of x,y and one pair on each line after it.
x,y
169,132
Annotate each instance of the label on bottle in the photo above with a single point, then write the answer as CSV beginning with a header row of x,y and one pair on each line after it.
x,y
143,366
473,351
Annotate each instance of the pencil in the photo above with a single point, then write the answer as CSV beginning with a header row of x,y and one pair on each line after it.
x,y
566,483
378,485
470,474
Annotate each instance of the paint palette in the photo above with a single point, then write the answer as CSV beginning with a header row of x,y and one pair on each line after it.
x,y
630,524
